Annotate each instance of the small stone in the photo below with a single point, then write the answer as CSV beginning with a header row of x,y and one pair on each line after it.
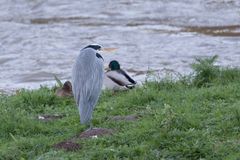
x,y
95,133
50,117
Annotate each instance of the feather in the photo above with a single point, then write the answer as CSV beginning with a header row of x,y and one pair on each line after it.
x,y
120,77
87,77
127,76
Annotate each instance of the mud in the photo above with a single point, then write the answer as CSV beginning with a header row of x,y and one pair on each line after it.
x,y
95,133
68,146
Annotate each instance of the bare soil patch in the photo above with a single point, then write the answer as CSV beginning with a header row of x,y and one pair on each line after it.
x,y
95,133
68,146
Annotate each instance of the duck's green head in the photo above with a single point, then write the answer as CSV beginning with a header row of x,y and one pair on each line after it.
x,y
114,65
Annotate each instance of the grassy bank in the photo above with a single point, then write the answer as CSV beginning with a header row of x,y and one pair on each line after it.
x,y
196,117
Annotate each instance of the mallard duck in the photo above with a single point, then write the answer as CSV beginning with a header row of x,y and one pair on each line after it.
x,y
65,91
116,78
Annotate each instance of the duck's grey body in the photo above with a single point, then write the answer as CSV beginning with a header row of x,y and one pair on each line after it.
x,y
116,78
87,79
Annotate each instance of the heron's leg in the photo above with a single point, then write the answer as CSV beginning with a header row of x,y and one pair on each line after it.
x,y
90,126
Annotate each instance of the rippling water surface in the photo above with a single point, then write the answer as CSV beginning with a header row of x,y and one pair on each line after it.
x,y
39,38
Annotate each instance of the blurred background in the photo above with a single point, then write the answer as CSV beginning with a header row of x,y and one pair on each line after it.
x,y
40,38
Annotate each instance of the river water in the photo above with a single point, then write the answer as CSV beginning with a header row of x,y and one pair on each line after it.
x,y
40,38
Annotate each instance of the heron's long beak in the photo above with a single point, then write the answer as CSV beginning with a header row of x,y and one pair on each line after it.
x,y
108,50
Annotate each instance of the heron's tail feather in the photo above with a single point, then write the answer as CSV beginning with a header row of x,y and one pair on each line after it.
x,y
85,114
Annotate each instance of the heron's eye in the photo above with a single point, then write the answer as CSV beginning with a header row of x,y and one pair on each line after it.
x,y
98,55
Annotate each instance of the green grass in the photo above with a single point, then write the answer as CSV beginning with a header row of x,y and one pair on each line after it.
x,y
197,117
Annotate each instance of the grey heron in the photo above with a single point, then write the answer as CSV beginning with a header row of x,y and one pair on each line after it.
x,y
118,77
87,79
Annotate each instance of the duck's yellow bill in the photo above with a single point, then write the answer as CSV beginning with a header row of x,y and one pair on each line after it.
x,y
107,69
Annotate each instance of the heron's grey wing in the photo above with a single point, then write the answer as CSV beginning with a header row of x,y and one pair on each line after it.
x,y
79,77
87,80
95,85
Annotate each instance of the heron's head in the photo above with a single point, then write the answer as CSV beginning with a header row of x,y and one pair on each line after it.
x,y
96,47
114,65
